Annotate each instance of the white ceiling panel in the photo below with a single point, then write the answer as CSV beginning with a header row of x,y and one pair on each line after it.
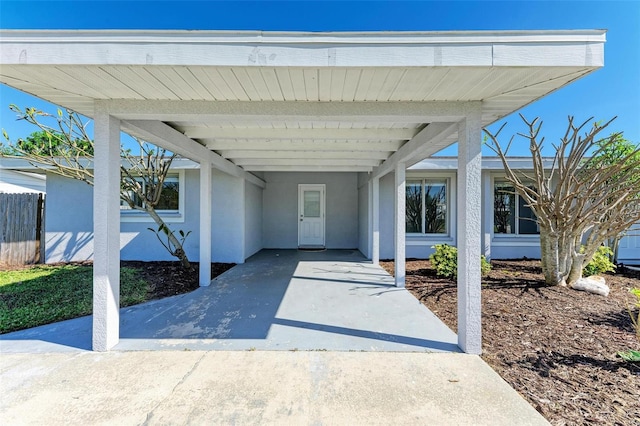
x,y
305,101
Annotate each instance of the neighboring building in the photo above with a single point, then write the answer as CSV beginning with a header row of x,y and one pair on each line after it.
x,y
629,247
17,182
297,134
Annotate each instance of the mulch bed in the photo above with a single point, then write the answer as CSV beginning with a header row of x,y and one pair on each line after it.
x,y
556,346
170,278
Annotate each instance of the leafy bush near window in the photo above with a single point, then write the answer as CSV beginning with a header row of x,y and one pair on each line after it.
x,y
445,260
600,263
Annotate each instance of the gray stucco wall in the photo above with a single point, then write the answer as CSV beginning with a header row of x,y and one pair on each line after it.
x,y
387,211
280,208
501,247
252,219
363,214
69,224
227,231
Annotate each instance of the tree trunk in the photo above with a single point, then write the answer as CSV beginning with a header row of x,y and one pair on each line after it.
x,y
179,251
577,263
550,261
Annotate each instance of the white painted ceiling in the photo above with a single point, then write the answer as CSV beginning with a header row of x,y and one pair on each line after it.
x,y
503,71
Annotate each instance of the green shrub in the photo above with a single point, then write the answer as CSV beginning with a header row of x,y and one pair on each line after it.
x,y
445,260
600,263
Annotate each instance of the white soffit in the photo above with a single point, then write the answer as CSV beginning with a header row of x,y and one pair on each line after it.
x,y
257,82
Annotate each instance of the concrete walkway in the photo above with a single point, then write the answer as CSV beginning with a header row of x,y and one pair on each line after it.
x,y
255,388
277,300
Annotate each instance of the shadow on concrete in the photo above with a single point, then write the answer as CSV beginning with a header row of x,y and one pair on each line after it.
x,y
427,344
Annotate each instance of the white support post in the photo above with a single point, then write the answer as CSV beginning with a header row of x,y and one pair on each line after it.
x,y
205,224
375,221
469,233
400,258
106,232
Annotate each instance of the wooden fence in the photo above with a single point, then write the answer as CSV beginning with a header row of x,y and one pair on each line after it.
x,y
21,229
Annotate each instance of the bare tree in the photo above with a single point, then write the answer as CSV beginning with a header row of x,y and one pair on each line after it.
x,y
581,200
67,150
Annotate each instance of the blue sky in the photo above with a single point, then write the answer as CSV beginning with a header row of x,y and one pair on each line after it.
x,y
611,91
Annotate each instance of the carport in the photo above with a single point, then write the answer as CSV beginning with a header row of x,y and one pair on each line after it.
x,y
248,103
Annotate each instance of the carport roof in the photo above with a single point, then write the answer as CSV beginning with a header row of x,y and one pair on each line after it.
x,y
297,101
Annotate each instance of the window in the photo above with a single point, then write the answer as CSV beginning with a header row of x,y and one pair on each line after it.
x,y
170,205
426,206
511,215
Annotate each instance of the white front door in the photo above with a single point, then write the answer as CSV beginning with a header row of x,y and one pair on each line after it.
x,y
311,215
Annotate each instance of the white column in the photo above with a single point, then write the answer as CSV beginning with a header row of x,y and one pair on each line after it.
x,y
106,232
375,221
469,233
205,224
400,258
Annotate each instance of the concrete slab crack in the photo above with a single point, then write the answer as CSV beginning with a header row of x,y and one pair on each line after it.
x,y
195,365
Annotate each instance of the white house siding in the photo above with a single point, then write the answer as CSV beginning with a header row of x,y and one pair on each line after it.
x,y
280,208
252,219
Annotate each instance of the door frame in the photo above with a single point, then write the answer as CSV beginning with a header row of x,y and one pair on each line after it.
x,y
323,207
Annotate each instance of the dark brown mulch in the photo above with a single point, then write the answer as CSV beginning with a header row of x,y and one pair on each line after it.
x,y
556,346
170,278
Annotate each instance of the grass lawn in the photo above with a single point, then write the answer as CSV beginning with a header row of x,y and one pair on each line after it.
x,y
44,294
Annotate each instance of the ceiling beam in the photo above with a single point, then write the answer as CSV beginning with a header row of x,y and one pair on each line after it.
x,y
270,111
308,168
304,162
317,134
434,133
260,154
167,137
297,145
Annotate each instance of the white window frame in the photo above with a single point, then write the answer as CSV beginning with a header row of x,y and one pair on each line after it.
x,y
496,179
423,179
169,216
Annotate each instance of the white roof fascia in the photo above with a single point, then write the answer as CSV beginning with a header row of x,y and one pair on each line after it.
x,y
287,37
430,164
22,165
488,163
281,49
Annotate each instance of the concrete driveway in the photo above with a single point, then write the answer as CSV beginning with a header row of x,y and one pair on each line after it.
x,y
287,338
277,300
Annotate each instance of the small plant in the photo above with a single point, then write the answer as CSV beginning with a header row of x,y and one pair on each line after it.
x,y
630,356
636,319
445,260
172,248
633,356
600,263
